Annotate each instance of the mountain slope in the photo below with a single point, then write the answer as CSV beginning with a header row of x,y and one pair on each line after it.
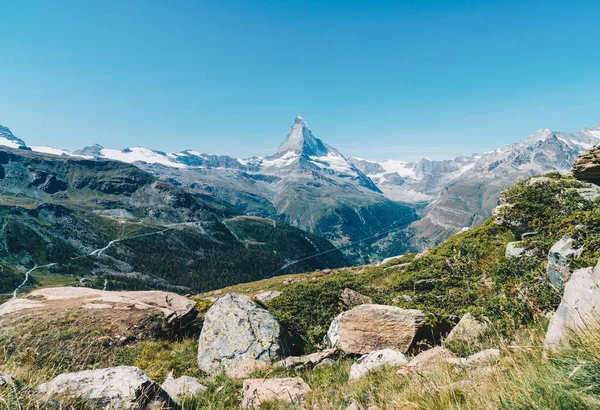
x,y
114,221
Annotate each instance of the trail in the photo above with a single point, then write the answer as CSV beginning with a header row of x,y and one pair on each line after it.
x,y
99,251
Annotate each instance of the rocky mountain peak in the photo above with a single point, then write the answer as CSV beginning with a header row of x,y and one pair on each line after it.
x,y
8,139
301,141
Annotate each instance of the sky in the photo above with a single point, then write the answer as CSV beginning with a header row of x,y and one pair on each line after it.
x,y
399,80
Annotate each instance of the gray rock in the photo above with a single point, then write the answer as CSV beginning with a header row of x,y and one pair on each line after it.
x,y
514,250
235,329
468,329
558,270
117,388
266,296
313,359
182,387
6,380
375,361
374,327
579,310
259,391
426,361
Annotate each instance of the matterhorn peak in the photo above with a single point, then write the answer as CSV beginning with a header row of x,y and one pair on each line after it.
x,y
301,141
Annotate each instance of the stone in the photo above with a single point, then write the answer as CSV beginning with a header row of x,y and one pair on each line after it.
x,y
6,380
242,369
468,329
350,298
182,387
264,297
514,250
353,406
235,329
426,361
375,327
375,361
117,388
587,165
325,363
579,309
558,270
487,356
310,360
258,391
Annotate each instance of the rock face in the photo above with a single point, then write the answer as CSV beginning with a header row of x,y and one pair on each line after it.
x,y
258,391
579,310
375,361
350,298
235,329
182,387
558,270
587,165
174,307
468,329
374,327
115,388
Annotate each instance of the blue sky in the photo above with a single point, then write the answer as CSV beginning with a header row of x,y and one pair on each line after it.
x,y
378,80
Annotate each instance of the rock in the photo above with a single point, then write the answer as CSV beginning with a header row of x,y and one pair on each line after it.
x,y
117,388
590,193
6,380
242,369
487,356
426,361
503,216
426,284
325,363
258,391
235,329
514,250
350,298
182,387
176,308
587,165
558,270
579,309
468,329
313,359
353,406
267,296
375,361
374,327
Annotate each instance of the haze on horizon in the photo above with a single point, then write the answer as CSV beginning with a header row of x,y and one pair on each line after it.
x,y
399,80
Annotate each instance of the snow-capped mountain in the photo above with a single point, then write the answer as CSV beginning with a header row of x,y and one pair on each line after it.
x,y
462,192
7,139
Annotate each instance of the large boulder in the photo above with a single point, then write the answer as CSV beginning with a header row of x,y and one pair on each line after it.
x,y
587,165
374,327
468,329
117,388
579,310
258,391
236,329
558,270
375,361
182,387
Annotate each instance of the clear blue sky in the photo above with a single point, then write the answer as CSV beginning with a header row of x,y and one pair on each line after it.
x,y
378,80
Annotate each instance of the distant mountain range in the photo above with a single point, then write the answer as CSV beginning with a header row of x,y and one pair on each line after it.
x,y
388,207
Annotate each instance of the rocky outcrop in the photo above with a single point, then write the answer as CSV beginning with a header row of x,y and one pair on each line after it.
x,y
468,329
350,298
310,360
235,329
579,310
587,165
258,391
558,270
182,387
375,361
374,327
264,297
115,388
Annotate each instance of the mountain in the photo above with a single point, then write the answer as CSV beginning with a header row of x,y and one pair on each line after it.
x,y
461,193
108,220
7,139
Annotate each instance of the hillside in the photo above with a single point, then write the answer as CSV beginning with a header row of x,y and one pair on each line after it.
x,y
120,227
503,273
